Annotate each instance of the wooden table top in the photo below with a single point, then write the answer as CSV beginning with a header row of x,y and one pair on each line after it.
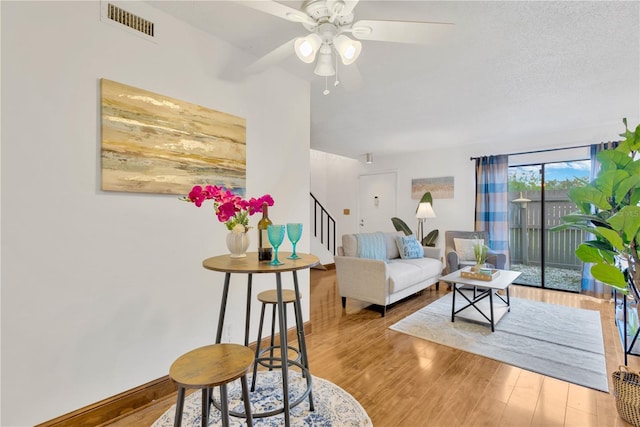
x,y
250,263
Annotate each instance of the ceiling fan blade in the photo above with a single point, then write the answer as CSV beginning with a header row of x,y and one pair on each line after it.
x,y
275,56
401,31
279,10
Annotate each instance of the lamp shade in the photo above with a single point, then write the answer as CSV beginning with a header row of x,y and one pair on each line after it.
x,y
307,47
425,211
324,65
348,49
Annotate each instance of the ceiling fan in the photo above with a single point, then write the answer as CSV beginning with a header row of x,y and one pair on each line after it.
x,y
329,23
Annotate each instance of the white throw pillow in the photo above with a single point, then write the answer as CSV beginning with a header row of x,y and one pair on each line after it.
x,y
464,248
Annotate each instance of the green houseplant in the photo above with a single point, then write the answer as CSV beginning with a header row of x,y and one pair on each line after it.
x,y
479,253
608,208
428,240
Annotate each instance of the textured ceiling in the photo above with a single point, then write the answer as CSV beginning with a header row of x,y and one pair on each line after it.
x,y
510,74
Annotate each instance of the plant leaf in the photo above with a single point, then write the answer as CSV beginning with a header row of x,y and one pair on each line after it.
x,y
626,185
609,180
633,168
635,197
612,237
585,219
400,225
610,275
588,253
611,159
605,248
591,195
627,221
430,239
426,197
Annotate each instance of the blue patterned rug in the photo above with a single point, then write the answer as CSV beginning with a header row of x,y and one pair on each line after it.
x,y
553,340
333,406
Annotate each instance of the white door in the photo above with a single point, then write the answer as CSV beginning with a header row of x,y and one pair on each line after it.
x,y
377,202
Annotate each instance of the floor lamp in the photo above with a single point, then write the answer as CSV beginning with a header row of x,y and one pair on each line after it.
x,y
424,211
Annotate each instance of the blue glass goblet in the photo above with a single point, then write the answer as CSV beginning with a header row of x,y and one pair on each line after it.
x,y
294,232
276,237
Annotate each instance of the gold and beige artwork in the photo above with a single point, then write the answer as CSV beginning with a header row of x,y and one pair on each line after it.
x,y
440,188
152,143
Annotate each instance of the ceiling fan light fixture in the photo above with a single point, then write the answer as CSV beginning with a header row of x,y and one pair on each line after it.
x,y
324,65
307,47
348,49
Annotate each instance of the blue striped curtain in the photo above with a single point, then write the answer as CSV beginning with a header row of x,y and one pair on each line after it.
x,y
492,201
588,284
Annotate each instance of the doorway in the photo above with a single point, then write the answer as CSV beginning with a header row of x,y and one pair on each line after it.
x,y
377,202
538,196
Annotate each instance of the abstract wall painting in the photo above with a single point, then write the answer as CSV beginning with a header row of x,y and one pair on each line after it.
x,y
440,188
156,144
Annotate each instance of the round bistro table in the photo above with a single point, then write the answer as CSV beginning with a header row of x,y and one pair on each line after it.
x,y
250,265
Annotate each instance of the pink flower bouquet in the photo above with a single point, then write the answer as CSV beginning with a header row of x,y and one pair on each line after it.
x,y
231,209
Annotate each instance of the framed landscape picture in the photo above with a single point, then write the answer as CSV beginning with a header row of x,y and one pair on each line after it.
x,y
152,143
440,188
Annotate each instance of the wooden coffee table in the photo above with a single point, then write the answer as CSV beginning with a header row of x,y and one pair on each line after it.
x,y
475,294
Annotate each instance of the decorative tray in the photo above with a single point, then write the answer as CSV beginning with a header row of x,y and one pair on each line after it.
x,y
487,277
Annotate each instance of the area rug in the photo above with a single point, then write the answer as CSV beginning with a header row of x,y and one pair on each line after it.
x,y
556,341
332,405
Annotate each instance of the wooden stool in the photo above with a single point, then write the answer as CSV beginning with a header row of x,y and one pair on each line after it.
x,y
210,366
271,297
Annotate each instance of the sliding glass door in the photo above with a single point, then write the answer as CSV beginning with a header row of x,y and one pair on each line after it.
x,y
538,200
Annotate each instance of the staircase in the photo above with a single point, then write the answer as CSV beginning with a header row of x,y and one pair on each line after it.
x,y
324,227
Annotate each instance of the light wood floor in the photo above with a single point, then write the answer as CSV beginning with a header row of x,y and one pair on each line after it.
x,y
406,381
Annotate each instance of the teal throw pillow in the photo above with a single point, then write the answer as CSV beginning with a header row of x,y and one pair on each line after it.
x,y
409,247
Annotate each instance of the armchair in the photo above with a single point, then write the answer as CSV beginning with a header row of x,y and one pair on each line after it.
x,y
453,260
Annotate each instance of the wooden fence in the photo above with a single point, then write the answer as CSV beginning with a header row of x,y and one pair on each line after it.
x,y
525,230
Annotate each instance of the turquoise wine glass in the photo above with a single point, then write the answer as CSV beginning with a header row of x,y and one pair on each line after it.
x,y
276,237
294,232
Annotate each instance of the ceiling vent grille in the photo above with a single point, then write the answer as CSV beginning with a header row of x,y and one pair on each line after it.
x,y
130,20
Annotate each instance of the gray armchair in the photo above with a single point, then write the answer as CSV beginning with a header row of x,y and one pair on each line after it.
x,y
454,263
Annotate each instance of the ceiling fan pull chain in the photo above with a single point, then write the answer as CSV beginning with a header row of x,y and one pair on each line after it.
x,y
326,86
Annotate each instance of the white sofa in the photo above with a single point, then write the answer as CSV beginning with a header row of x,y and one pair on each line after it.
x,y
383,282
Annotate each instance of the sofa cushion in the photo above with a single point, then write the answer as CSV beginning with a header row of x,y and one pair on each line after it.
x,y
464,248
409,247
392,247
404,273
350,244
372,245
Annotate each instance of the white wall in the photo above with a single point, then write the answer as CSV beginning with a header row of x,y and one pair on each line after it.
x,y
101,291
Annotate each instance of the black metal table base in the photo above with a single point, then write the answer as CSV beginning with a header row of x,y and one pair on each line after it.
x,y
284,361
478,295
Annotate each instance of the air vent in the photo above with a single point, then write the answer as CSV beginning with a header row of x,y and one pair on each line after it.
x,y
121,18
129,19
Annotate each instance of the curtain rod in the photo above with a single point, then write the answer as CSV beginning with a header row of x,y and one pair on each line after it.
x,y
540,151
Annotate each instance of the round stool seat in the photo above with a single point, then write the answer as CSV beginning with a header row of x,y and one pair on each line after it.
x,y
211,365
271,296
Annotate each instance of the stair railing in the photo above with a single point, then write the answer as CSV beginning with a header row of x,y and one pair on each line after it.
x,y
322,217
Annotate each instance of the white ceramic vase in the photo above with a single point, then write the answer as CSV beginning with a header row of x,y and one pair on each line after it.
x,y
237,243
